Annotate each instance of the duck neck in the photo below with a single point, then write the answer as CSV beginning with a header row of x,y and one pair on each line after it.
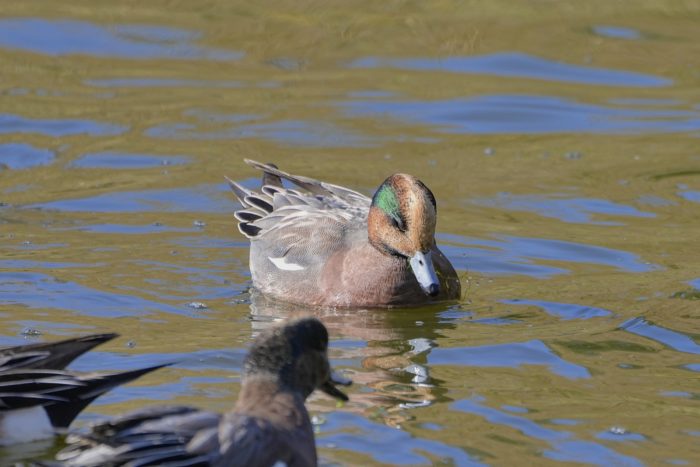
x,y
263,386
264,394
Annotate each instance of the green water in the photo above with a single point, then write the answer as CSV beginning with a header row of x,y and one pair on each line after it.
x,y
560,140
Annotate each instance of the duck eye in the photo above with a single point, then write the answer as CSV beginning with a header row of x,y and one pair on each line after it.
x,y
398,223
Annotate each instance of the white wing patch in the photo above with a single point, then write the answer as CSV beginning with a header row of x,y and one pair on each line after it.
x,y
281,263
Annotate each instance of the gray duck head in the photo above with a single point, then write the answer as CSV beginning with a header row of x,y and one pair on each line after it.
x,y
297,354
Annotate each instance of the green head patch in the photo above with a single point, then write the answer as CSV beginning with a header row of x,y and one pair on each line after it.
x,y
385,199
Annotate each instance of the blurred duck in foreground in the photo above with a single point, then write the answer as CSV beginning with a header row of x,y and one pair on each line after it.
x,y
327,245
38,397
269,423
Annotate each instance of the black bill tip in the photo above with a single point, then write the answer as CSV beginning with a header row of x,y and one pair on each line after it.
x,y
329,386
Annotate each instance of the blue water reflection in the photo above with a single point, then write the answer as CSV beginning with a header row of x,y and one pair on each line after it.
x,y
616,32
672,339
508,255
229,360
190,282
10,123
162,393
563,207
526,114
385,444
511,355
119,160
66,37
23,156
563,310
520,65
690,195
610,436
563,447
286,132
35,290
655,201
203,198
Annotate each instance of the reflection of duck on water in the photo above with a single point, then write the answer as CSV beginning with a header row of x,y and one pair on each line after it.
x,y
392,348
323,244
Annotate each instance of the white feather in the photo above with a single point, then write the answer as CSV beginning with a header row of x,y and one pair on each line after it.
x,y
281,263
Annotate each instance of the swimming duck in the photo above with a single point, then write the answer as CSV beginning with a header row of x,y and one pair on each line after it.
x,y
268,424
327,245
38,397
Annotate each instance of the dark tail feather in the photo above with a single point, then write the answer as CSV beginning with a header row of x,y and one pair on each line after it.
x,y
249,230
270,170
59,354
271,179
63,414
239,190
247,216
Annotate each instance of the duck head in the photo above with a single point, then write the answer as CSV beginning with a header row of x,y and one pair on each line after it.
x,y
401,222
297,354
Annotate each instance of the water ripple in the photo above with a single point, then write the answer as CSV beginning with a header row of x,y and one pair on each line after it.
x,y
512,355
690,195
10,123
563,207
161,83
203,198
564,448
563,310
122,160
23,156
514,64
616,32
126,229
526,114
673,339
68,37
287,132
341,431
513,255
35,290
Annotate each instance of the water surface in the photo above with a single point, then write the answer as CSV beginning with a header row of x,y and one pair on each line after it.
x,y
561,144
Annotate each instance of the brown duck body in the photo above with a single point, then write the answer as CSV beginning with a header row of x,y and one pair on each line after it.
x,y
263,411
353,275
326,245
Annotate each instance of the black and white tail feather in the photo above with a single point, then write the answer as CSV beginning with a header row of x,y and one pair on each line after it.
x,y
38,396
274,205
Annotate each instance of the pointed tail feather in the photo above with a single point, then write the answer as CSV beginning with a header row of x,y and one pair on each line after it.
x,y
63,414
270,179
309,184
59,354
239,190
